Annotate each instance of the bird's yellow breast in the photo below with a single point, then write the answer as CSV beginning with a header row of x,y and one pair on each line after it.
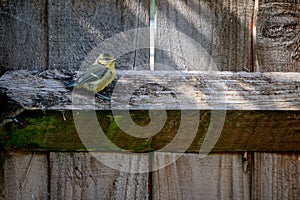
x,y
100,84
106,80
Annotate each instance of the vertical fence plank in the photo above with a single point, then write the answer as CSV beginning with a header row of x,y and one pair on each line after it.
x,y
216,176
23,34
2,183
220,28
137,16
82,176
278,36
77,29
25,176
276,176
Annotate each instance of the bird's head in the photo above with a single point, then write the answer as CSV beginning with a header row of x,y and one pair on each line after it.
x,y
106,60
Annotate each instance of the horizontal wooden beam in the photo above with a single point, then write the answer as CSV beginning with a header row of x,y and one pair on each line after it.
x,y
174,90
238,131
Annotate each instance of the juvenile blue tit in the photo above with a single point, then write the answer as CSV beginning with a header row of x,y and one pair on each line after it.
x,y
98,76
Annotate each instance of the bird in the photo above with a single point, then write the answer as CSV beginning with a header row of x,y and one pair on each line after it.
x,y
98,76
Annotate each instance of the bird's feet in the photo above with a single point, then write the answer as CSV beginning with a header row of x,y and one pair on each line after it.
x,y
69,84
103,97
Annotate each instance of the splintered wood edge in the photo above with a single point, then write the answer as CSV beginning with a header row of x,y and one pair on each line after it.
x,y
173,90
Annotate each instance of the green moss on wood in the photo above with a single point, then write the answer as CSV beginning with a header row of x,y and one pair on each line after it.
x,y
40,130
243,130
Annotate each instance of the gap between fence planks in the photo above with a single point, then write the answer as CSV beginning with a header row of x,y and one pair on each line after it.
x,y
57,174
176,90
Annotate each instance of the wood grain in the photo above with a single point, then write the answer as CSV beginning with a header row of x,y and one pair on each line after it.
x,y
23,35
276,176
216,176
73,40
160,90
25,176
193,34
78,32
82,176
278,33
98,131
2,183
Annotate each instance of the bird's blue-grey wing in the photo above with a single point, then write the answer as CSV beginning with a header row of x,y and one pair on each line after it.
x,y
94,73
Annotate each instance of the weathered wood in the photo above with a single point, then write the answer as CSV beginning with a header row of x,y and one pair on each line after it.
x,y
241,131
2,183
82,176
278,33
160,90
23,34
276,176
72,175
77,30
70,34
216,176
25,176
189,31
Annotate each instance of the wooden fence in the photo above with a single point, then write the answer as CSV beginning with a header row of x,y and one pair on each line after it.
x,y
258,153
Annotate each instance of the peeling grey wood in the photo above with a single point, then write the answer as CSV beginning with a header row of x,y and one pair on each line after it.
x,y
25,176
161,90
278,36
23,35
79,31
82,176
276,176
193,34
216,176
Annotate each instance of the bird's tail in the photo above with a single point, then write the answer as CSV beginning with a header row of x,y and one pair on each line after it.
x,y
70,84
